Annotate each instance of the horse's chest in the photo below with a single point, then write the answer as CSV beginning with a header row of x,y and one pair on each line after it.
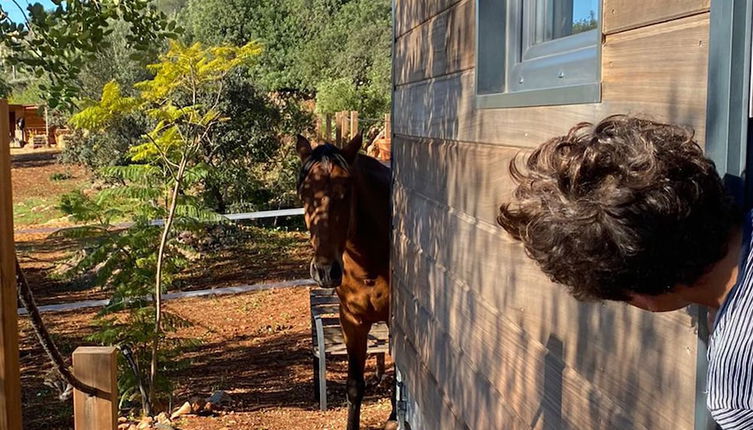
x,y
368,299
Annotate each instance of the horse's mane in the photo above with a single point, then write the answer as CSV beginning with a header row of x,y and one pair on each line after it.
x,y
325,154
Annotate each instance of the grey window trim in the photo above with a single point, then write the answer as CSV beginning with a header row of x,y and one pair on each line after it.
x,y
728,140
512,71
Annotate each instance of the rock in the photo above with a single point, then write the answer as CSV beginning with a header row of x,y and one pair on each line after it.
x,y
124,426
183,410
161,426
163,419
133,427
122,419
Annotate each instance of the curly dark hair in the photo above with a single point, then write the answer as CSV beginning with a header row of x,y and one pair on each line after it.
x,y
627,206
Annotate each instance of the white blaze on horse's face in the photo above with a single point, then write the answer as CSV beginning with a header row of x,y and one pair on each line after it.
x,y
326,188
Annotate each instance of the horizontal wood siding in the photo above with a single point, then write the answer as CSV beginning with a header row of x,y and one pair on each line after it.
x,y
621,15
659,71
484,339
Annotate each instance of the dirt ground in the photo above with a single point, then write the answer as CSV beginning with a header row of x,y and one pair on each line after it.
x,y
255,346
38,181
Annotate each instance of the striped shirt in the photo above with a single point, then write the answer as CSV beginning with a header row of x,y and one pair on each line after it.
x,y
730,352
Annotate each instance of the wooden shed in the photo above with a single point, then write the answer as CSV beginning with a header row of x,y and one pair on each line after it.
x,y
28,125
480,337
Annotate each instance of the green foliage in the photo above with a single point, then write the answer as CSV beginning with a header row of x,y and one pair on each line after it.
x,y
247,159
163,181
61,176
339,47
59,43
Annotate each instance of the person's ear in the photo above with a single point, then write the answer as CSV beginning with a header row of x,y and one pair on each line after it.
x,y
351,149
303,147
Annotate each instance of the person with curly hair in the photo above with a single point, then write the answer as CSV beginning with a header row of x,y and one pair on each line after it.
x,y
631,210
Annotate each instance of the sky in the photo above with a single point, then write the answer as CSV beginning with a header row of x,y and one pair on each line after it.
x,y
15,14
582,9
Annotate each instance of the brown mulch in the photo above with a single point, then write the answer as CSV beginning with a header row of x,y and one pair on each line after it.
x,y
254,346
31,176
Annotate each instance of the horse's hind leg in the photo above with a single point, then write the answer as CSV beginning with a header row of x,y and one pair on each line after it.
x,y
356,335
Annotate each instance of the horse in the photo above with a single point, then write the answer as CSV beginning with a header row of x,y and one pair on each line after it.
x,y
346,199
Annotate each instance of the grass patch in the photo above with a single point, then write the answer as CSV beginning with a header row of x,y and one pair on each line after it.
x,y
61,176
37,210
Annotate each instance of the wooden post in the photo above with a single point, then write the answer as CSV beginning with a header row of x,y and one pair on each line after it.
x,y
387,127
327,127
346,127
47,127
339,129
10,380
353,124
96,366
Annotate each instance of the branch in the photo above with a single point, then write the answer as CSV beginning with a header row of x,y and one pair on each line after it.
x,y
26,18
27,300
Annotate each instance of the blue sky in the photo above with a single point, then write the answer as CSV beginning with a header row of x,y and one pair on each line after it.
x,y
582,9
15,14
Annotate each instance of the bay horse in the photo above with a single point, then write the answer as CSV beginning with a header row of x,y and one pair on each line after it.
x,y
346,199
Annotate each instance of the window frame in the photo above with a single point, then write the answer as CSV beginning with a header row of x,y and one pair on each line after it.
x,y
506,52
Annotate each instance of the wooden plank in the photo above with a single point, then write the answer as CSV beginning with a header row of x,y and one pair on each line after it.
x,y
323,292
443,45
334,341
484,297
10,382
549,392
324,300
353,124
97,367
666,91
325,309
345,119
437,410
621,15
671,73
410,14
339,129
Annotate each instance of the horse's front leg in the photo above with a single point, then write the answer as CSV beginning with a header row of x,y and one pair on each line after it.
x,y
356,334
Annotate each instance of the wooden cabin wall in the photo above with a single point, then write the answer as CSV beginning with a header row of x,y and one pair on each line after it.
x,y
484,339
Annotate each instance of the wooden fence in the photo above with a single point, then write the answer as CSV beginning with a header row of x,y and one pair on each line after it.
x,y
340,127
95,366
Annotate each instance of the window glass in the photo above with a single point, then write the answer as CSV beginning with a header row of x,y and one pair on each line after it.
x,y
561,18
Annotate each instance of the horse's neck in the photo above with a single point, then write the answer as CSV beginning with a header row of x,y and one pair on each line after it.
x,y
368,238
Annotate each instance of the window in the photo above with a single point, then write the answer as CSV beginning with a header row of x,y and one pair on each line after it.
x,y
537,52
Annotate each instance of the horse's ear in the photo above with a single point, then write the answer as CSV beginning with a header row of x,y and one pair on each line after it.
x,y
351,149
303,147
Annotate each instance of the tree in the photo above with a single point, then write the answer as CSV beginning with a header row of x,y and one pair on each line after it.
x,y
59,43
336,50
182,100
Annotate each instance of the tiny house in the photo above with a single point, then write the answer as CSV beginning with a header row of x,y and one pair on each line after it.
x,y
28,125
481,338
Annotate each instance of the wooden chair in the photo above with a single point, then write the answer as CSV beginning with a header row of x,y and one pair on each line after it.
x,y
327,336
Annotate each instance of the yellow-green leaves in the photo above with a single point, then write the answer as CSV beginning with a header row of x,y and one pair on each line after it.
x,y
185,67
179,99
98,115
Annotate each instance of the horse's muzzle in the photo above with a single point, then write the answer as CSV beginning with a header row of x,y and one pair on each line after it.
x,y
327,275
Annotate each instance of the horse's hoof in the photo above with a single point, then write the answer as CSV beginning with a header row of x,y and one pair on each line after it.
x,y
391,425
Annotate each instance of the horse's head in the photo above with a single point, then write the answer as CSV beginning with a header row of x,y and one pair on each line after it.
x,y
325,185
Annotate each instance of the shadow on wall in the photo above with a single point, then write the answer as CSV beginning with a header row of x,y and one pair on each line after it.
x,y
500,342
